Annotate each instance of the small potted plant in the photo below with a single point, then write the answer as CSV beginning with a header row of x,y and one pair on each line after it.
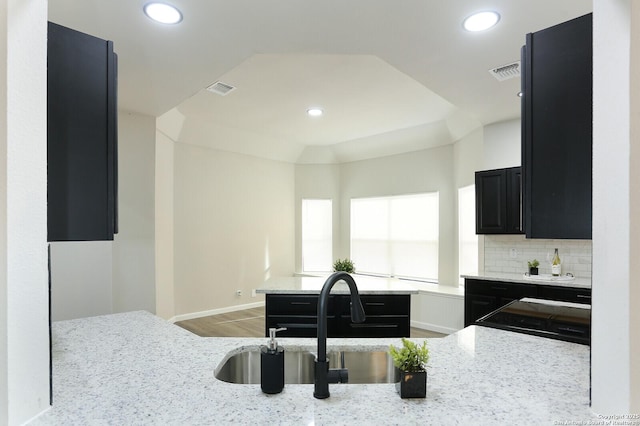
x,y
411,360
533,267
345,265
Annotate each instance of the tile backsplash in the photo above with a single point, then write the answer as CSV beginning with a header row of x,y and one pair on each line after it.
x,y
574,254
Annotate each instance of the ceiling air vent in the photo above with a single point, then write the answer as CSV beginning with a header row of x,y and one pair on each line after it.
x,y
221,88
505,72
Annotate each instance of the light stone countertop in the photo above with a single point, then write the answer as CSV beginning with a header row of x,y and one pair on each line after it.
x,y
313,285
135,368
520,278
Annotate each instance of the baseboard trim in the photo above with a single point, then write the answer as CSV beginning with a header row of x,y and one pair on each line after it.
x,y
433,327
193,315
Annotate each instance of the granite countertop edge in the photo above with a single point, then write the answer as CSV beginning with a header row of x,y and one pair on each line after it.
x,y
367,285
337,291
136,368
519,278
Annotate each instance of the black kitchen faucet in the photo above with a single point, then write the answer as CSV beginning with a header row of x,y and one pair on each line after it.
x,y
323,375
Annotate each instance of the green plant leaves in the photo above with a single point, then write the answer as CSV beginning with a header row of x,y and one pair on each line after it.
x,y
411,357
345,265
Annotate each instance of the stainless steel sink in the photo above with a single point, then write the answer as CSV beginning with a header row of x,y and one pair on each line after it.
x,y
364,367
244,367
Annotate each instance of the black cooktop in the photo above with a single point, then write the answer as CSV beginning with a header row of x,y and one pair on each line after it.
x,y
568,322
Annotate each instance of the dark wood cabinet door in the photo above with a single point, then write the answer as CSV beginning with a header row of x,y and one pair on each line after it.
x,y
514,201
297,313
557,130
376,326
477,306
498,201
491,209
296,326
482,297
81,136
387,315
567,294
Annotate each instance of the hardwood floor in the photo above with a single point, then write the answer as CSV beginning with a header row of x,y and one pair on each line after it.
x,y
419,332
246,323
249,323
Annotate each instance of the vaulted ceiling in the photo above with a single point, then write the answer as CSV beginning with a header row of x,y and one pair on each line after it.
x,y
391,76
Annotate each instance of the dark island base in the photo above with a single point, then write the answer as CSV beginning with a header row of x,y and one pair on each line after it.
x,y
387,315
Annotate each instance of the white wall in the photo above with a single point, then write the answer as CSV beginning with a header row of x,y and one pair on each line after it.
x,y
133,247
468,157
634,212
615,330
165,304
24,338
95,278
321,181
501,146
81,279
233,226
439,312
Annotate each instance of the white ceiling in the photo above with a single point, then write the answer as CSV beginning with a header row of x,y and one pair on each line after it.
x,y
392,76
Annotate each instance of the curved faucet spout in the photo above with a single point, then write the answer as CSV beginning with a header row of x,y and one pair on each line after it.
x,y
357,315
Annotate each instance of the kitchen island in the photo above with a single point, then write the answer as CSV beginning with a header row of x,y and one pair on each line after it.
x,y
135,368
291,303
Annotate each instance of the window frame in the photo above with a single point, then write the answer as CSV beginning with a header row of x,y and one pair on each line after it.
x,y
329,256
393,244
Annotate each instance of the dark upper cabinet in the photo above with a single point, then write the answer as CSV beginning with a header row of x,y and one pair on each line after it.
x,y
498,201
81,136
557,130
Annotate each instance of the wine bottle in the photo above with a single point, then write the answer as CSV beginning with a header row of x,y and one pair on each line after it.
x,y
556,266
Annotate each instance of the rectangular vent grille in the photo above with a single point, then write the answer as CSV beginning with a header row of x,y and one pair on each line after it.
x,y
221,88
506,72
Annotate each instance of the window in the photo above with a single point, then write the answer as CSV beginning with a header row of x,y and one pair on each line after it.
x,y
316,236
396,236
467,238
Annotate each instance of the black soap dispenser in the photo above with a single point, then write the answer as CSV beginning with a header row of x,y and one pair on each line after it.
x,y
272,364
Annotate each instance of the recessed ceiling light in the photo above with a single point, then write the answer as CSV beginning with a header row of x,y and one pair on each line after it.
x,y
481,21
163,13
314,112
